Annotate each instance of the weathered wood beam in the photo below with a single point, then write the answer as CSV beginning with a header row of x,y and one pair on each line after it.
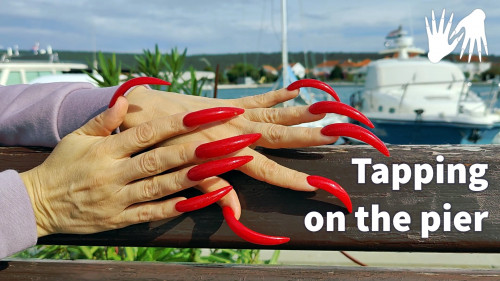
x,y
106,270
277,211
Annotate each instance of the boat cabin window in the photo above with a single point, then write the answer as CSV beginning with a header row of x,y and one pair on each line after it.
x,y
392,110
380,108
14,78
30,75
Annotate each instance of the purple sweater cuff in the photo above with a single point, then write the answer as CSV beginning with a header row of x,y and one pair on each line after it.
x,y
17,220
80,106
41,114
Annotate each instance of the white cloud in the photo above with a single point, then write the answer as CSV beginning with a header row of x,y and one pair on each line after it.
x,y
226,26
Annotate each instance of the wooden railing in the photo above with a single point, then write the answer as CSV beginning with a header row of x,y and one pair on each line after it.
x,y
469,220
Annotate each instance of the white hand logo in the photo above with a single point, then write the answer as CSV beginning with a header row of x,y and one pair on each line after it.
x,y
474,32
473,26
439,46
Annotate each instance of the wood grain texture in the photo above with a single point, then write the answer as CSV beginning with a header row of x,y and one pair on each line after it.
x,y
277,211
105,270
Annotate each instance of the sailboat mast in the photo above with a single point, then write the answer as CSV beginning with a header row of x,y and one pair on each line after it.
x,y
284,45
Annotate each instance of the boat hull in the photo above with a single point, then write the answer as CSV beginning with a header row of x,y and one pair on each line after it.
x,y
420,132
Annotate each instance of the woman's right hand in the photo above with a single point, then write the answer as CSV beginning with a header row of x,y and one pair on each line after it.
x,y
94,181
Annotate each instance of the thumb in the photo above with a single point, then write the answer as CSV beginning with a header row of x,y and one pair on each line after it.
x,y
106,122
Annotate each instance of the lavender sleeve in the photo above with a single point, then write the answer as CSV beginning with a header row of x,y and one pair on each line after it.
x,y
37,115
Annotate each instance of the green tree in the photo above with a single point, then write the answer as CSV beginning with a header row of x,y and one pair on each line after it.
x,y
337,73
242,70
269,77
491,73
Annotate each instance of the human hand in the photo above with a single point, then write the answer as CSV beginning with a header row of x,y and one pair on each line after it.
x,y
474,32
272,123
94,181
439,45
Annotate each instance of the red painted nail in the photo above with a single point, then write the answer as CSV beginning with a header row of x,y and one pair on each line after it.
x,y
225,146
217,167
333,188
135,82
202,201
355,132
247,234
208,115
340,108
313,83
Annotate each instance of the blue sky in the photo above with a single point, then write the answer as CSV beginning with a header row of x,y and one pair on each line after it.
x,y
218,26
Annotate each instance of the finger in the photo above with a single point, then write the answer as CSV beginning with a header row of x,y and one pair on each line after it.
x,y
160,159
156,187
279,136
149,133
150,211
464,44
106,122
159,186
479,48
427,28
483,38
455,42
231,199
433,23
283,116
271,172
441,22
448,26
264,169
471,48
459,26
266,100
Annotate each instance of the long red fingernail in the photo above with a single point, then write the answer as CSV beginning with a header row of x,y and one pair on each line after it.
x,y
208,115
314,84
135,82
355,132
217,167
247,234
333,188
225,146
340,108
202,201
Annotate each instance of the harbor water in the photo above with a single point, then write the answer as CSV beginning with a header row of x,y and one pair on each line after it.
x,y
343,90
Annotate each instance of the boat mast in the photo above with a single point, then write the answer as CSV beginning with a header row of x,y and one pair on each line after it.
x,y
284,46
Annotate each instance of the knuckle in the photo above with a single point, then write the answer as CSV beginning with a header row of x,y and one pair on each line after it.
x,y
268,168
266,99
275,133
260,99
272,116
145,214
99,119
184,153
175,124
149,163
144,133
151,189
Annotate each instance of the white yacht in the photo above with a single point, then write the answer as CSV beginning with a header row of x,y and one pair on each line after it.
x,y
413,101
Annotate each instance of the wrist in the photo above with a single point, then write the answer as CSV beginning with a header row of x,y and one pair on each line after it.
x,y
31,182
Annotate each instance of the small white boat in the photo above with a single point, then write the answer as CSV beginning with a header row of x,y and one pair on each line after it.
x,y
413,101
15,69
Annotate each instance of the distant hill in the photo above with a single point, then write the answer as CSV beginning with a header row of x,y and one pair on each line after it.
x,y
203,61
